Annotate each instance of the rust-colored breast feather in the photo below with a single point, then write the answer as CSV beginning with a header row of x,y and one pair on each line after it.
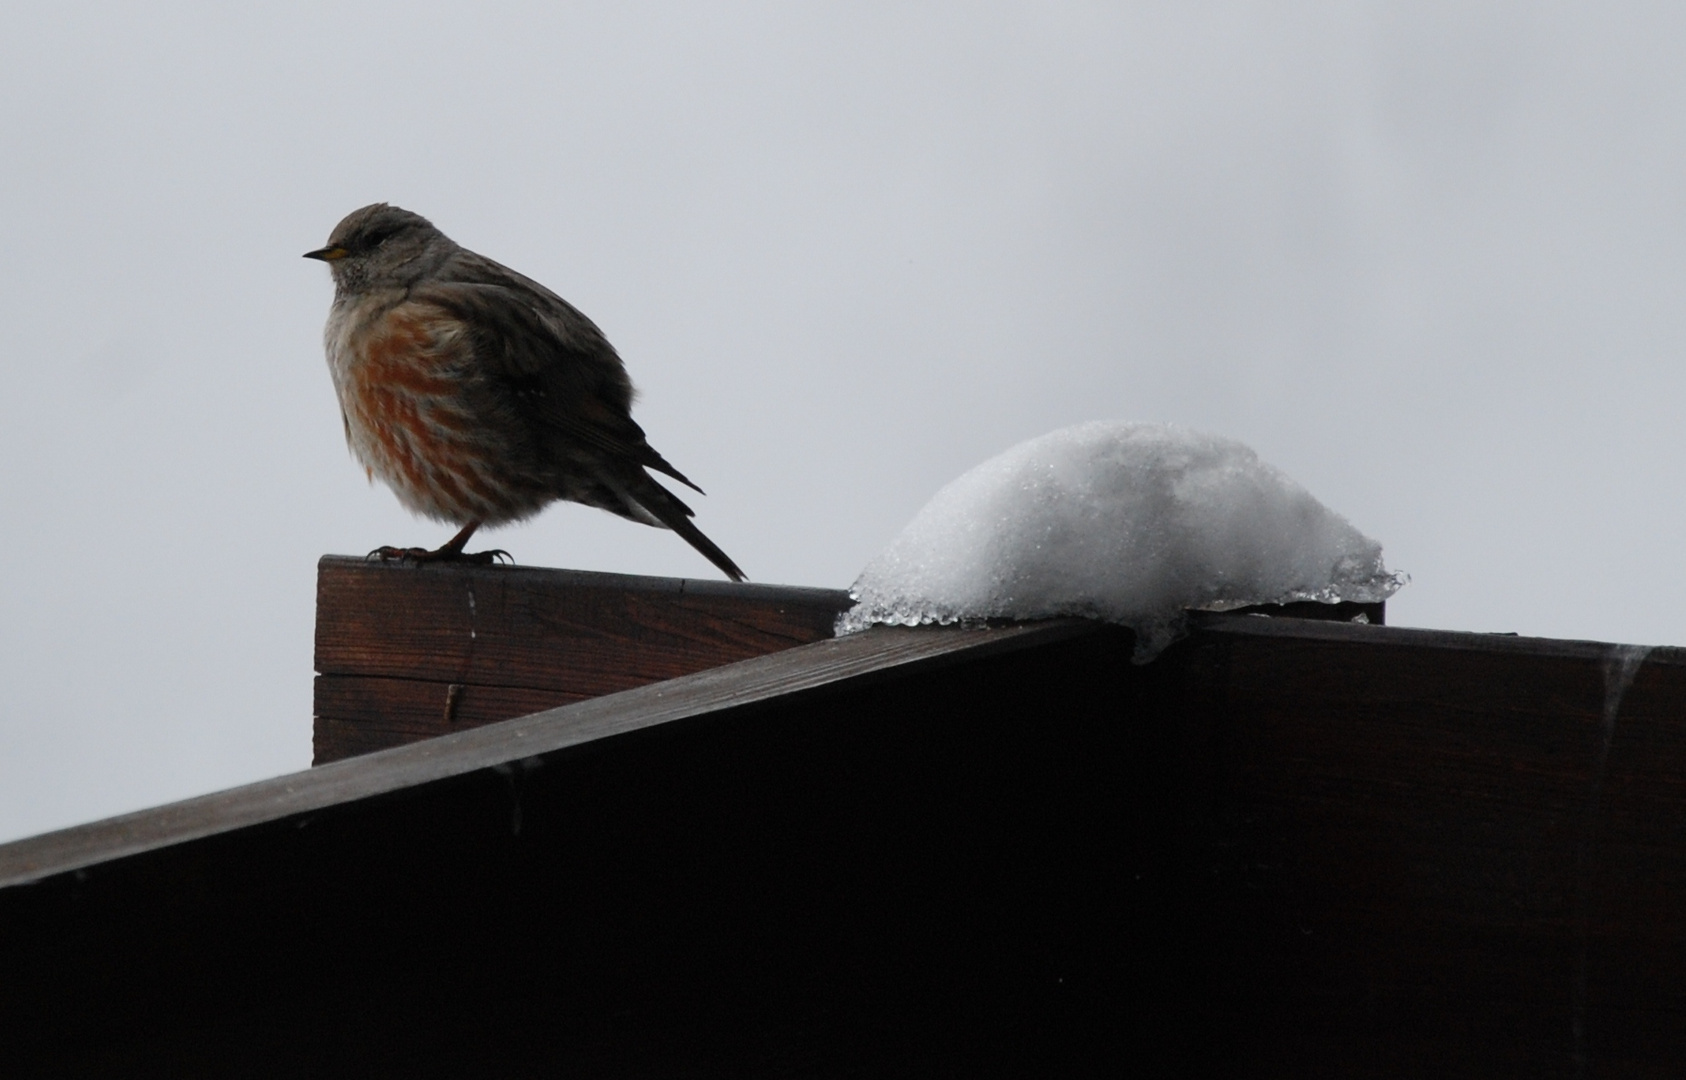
x,y
411,396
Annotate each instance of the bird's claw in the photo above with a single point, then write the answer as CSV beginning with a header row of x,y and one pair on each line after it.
x,y
422,555
388,553
488,557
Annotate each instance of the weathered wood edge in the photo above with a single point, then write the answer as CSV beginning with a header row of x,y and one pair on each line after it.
x,y
1413,637
594,579
880,651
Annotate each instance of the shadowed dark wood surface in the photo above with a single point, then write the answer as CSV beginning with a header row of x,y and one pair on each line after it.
x,y
859,659
407,652
1285,848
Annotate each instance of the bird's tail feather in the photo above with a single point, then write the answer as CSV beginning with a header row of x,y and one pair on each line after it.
x,y
666,508
653,460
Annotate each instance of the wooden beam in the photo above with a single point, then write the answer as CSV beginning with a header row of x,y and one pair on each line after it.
x,y
873,654
1285,846
407,652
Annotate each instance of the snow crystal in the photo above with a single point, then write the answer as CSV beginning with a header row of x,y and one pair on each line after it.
x,y
1132,523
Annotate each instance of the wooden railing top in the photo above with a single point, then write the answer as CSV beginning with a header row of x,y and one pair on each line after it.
x,y
301,794
596,579
880,651
1284,841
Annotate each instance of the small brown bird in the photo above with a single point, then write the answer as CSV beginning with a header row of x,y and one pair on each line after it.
x,y
478,395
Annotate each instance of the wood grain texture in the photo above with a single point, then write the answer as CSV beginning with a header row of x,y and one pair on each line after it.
x,y
393,639
549,629
358,715
519,639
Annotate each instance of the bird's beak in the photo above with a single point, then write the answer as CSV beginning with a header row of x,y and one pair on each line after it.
x,y
327,254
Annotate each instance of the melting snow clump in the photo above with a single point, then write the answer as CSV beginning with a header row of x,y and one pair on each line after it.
x,y
1131,523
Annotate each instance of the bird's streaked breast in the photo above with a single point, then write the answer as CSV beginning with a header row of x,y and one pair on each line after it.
x,y
403,372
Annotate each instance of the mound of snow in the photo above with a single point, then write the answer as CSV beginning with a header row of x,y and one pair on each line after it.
x,y
1131,523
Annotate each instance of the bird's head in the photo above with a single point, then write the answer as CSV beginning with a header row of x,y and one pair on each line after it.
x,y
382,246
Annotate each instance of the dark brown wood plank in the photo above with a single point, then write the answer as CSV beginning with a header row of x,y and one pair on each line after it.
x,y
357,715
1289,846
549,629
513,633
295,925
857,658
1446,827
523,638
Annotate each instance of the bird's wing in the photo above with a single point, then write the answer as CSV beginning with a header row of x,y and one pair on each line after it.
x,y
564,374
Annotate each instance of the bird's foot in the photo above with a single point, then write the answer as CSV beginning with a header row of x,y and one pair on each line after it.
x,y
390,554
487,557
444,554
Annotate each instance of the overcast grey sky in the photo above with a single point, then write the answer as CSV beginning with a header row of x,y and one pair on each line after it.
x,y
1425,257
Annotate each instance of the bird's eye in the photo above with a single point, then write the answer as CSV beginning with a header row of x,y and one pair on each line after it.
x,y
376,238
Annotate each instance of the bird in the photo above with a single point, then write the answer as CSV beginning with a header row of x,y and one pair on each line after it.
x,y
478,395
